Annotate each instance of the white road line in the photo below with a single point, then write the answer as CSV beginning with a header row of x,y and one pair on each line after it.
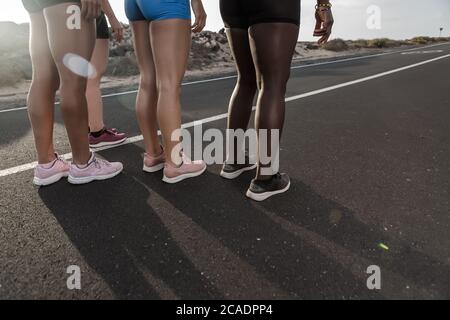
x,y
68,156
366,57
375,76
235,76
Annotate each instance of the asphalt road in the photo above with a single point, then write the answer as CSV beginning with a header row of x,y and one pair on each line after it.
x,y
367,146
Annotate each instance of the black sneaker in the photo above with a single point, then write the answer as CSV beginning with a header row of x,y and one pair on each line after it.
x,y
232,171
260,190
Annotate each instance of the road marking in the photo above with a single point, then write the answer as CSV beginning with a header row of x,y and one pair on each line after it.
x,y
375,76
235,76
68,156
422,52
368,56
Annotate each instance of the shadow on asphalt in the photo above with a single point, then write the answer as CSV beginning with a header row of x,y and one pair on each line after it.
x,y
15,132
135,229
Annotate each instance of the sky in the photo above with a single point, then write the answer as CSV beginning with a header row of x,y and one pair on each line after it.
x,y
354,19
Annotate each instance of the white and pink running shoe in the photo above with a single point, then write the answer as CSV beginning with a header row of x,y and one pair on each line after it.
x,y
188,169
47,174
96,169
154,164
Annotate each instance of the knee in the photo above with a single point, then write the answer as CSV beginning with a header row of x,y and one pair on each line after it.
x,y
248,82
275,83
147,84
45,84
73,92
169,87
94,83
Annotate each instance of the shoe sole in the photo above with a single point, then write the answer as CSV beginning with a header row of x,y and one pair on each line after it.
x,y
86,180
264,196
154,168
107,144
48,181
235,174
183,176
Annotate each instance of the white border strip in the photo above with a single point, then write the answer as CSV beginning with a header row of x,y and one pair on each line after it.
x,y
235,76
68,156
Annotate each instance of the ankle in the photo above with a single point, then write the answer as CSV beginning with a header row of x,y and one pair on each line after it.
x,y
49,159
155,152
82,163
97,133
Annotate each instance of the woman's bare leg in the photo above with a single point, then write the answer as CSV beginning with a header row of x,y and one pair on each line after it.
x,y
79,42
241,102
99,61
273,46
171,43
45,83
147,97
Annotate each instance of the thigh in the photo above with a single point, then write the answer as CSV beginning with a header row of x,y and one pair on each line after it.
x,y
43,65
171,43
240,47
273,46
143,48
100,56
78,44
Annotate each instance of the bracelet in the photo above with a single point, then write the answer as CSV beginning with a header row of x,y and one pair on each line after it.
x,y
323,5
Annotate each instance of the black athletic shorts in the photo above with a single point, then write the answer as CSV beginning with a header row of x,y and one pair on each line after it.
x,y
245,13
102,27
34,6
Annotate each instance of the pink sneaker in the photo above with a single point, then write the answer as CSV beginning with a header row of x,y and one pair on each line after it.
x,y
46,174
154,164
96,169
109,137
189,169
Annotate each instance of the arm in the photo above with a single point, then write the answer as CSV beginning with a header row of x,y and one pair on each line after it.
x,y
200,15
324,21
90,9
115,23
109,12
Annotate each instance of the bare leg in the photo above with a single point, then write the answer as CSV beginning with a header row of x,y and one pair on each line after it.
x,y
273,48
80,42
147,97
93,93
171,41
45,83
241,103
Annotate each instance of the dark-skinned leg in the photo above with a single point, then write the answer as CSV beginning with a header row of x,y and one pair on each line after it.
x,y
241,102
273,46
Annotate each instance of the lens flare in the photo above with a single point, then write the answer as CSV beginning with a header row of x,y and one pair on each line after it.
x,y
79,65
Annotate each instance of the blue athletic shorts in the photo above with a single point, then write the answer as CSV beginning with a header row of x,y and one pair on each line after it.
x,y
153,10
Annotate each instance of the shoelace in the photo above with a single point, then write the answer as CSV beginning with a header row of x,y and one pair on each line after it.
x,y
59,159
112,131
99,162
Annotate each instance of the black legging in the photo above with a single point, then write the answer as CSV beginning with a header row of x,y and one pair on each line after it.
x,y
263,56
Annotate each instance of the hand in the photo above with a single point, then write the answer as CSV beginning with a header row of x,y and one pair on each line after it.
x,y
324,24
117,30
91,9
200,16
